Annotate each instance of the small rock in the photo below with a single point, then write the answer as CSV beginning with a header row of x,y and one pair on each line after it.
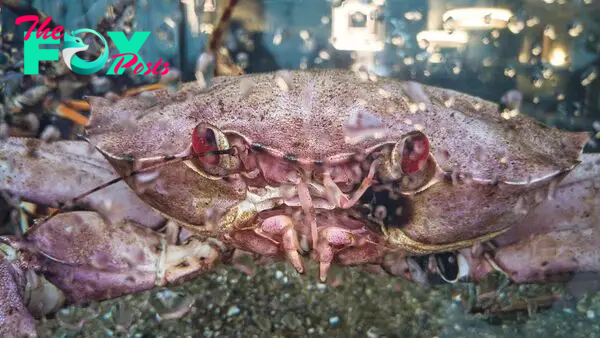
x,y
263,323
33,123
590,314
334,320
3,131
373,332
233,311
290,320
50,134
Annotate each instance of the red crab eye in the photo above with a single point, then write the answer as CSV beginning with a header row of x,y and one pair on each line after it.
x,y
204,141
415,153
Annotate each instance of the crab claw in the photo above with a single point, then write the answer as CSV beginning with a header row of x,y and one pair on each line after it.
x,y
89,259
536,250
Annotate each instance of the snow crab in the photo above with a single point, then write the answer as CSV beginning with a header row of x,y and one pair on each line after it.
x,y
415,181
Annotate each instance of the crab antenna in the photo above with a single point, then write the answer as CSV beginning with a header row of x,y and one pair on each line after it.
x,y
62,206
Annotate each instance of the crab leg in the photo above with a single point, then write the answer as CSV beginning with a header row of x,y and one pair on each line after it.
x,y
330,237
51,173
309,210
15,320
284,226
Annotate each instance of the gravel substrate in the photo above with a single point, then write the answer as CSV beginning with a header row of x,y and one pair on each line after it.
x,y
277,302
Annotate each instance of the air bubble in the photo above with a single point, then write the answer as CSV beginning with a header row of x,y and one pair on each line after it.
x,y
533,21
589,76
171,305
416,93
205,68
283,79
166,32
242,59
510,72
549,32
512,99
520,207
304,35
456,68
516,25
146,180
278,37
575,29
450,25
246,86
398,41
413,16
172,80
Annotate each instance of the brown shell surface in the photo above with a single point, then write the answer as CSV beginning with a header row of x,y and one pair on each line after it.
x,y
308,120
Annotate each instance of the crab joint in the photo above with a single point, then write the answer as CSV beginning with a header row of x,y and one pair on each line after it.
x,y
238,216
179,263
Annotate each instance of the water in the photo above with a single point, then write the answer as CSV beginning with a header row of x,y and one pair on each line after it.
x,y
534,58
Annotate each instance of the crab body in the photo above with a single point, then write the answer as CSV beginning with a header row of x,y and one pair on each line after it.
x,y
318,141
403,177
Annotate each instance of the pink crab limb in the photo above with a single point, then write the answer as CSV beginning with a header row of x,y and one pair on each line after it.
x,y
89,259
15,320
284,226
309,210
341,200
328,239
52,173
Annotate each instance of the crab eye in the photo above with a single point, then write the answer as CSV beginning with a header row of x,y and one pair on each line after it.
x,y
414,153
409,163
409,156
206,141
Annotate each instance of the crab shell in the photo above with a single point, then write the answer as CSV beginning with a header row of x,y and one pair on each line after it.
x,y
490,171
